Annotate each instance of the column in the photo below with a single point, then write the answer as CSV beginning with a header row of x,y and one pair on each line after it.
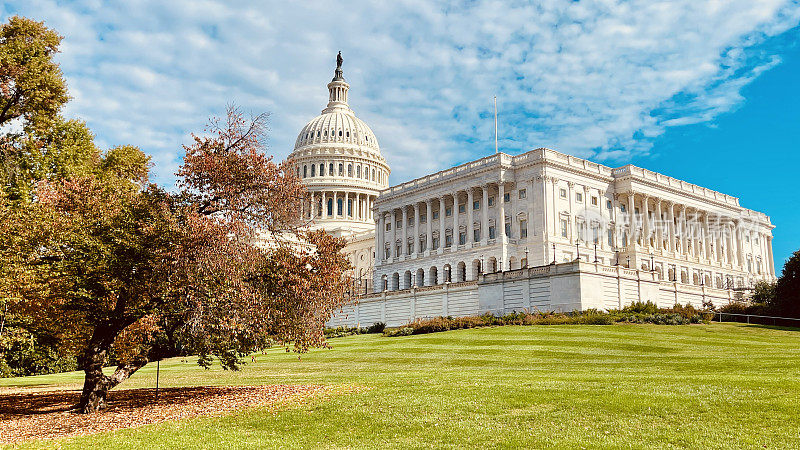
x,y
770,260
485,216
739,259
416,228
335,208
632,228
555,206
455,220
345,211
428,227
615,219
572,223
684,232
393,244
404,235
470,201
441,223
671,227
501,211
645,222
659,226
705,232
380,246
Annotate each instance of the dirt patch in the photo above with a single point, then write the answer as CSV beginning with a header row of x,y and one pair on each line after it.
x,y
48,415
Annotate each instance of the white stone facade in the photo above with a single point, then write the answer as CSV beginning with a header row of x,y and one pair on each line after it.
x,y
505,212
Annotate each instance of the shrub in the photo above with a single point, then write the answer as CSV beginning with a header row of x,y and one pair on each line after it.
x,y
376,327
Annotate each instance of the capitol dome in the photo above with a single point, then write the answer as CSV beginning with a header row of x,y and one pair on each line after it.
x,y
338,158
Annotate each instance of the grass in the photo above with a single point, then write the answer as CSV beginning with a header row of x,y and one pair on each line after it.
x,y
591,386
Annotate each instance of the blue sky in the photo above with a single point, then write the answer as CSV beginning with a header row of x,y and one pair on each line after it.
x,y
704,91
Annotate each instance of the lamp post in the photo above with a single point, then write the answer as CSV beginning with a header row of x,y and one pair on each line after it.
x,y
526,257
616,252
554,253
629,263
577,252
595,252
652,262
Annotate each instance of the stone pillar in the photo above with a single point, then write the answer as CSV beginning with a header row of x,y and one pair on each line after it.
x,y
572,223
632,227
485,215
659,226
671,227
770,258
441,223
404,234
615,220
501,211
345,203
393,244
456,231
739,244
554,205
416,228
428,227
380,246
470,218
645,222
684,232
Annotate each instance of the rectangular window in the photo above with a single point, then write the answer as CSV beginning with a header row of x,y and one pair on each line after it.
x,y
506,197
462,238
563,193
435,215
423,244
624,238
397,250
609,205
448,211
594,201
399,224
476,235
563,228
622,208
596,235
410,248
448,241
523,229
435,243
462,208
508,229
423,218
411,221
476,204
491,201
579,197
522,193
611,238
388,226
491,232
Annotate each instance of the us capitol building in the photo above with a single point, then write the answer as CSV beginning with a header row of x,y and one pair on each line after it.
x,y
538,231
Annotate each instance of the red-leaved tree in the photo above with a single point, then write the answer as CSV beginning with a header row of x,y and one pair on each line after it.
x,y
108,259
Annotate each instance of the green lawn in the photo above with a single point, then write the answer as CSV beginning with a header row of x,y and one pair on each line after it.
x,y
584,386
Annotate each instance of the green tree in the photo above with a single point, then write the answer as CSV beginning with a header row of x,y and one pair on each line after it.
x,y
787,289
32,87
764,293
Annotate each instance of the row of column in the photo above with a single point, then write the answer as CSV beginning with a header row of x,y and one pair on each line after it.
x,y
326,205
694,232
440,204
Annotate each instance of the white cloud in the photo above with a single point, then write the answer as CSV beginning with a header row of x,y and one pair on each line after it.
x,y
594,78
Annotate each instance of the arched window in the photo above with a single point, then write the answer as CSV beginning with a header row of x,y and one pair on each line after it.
x,y
317,133
330,169
322,170
305,171
341,170
358,171
326,133
349,207
330,207
348,134
373,174
340,133
349,170
339,206
313,170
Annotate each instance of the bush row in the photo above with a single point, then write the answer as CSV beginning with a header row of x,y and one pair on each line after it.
x,y
336,332
640,312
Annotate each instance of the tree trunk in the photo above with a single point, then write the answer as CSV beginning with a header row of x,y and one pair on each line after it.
x,y
96,384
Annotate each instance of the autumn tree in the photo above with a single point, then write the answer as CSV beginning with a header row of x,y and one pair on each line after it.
x,y
108,258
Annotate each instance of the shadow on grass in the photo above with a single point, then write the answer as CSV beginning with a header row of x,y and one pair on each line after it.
x,y
18,404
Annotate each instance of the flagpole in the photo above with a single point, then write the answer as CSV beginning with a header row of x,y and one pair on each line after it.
x,y
495,124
